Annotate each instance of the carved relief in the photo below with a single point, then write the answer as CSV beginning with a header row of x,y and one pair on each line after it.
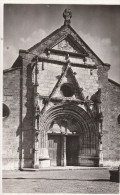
x,y
65,45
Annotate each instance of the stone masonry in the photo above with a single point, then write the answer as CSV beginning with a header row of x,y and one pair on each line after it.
x,y
91,74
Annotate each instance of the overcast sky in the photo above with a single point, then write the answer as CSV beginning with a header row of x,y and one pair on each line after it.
x,y
98,26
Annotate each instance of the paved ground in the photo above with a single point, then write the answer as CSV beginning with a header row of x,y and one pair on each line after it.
x,y
59,181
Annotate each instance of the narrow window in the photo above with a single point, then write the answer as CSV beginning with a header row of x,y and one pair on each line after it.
x,y
6,111
118,119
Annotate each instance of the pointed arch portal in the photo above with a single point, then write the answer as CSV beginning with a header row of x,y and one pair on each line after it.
x,y
69,136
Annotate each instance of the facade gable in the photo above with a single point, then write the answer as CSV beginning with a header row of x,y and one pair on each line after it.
x,y
65,36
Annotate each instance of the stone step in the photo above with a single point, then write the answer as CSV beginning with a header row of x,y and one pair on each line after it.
x,y
64,168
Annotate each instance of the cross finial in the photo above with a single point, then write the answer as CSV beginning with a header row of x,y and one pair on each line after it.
x,y
67,15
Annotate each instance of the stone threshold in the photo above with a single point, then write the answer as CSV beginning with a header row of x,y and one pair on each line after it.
x,y
59,168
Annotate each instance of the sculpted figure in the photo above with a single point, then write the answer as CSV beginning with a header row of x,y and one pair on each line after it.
x,y
67,14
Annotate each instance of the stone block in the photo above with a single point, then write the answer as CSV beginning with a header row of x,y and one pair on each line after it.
x,y
44,163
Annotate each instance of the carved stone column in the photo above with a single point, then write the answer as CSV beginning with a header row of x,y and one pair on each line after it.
x,y
100,140
63,150
36,118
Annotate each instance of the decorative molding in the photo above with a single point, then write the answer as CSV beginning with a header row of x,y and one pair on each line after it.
x,y
59,62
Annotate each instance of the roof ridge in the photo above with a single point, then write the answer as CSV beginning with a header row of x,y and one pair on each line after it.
x,y
11,69
44,39
114,82
86,45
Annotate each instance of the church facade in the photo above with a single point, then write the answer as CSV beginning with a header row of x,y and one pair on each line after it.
x,y
59,106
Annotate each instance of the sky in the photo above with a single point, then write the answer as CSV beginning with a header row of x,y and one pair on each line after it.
x,y
98,25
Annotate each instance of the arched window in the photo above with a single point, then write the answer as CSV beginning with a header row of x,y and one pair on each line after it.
x,y
6,111
118,119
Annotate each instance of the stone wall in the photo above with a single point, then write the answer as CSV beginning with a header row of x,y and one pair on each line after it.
x,y
18,127
103,84
110,108
113,126
18,130
11,124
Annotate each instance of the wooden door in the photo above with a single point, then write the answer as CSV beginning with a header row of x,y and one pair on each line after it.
x,y
72,150
54,148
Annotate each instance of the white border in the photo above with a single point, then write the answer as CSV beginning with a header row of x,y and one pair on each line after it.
x,y
2,2
93,2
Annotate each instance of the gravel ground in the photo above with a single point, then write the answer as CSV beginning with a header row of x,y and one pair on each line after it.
x,y
59,181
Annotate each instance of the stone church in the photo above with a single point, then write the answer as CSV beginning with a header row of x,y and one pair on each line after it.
x,y
59,106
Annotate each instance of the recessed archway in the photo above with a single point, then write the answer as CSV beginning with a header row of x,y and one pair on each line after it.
x,y
79,123
72,111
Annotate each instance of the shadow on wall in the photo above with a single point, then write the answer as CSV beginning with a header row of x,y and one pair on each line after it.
x,y
25,130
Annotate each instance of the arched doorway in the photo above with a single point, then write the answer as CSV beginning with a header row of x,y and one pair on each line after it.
x,y
69,136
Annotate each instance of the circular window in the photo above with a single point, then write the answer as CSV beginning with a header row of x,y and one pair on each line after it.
x,y
6,111
67,89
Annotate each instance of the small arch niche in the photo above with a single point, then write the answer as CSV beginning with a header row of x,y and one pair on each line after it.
x,y
67,89
6,111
